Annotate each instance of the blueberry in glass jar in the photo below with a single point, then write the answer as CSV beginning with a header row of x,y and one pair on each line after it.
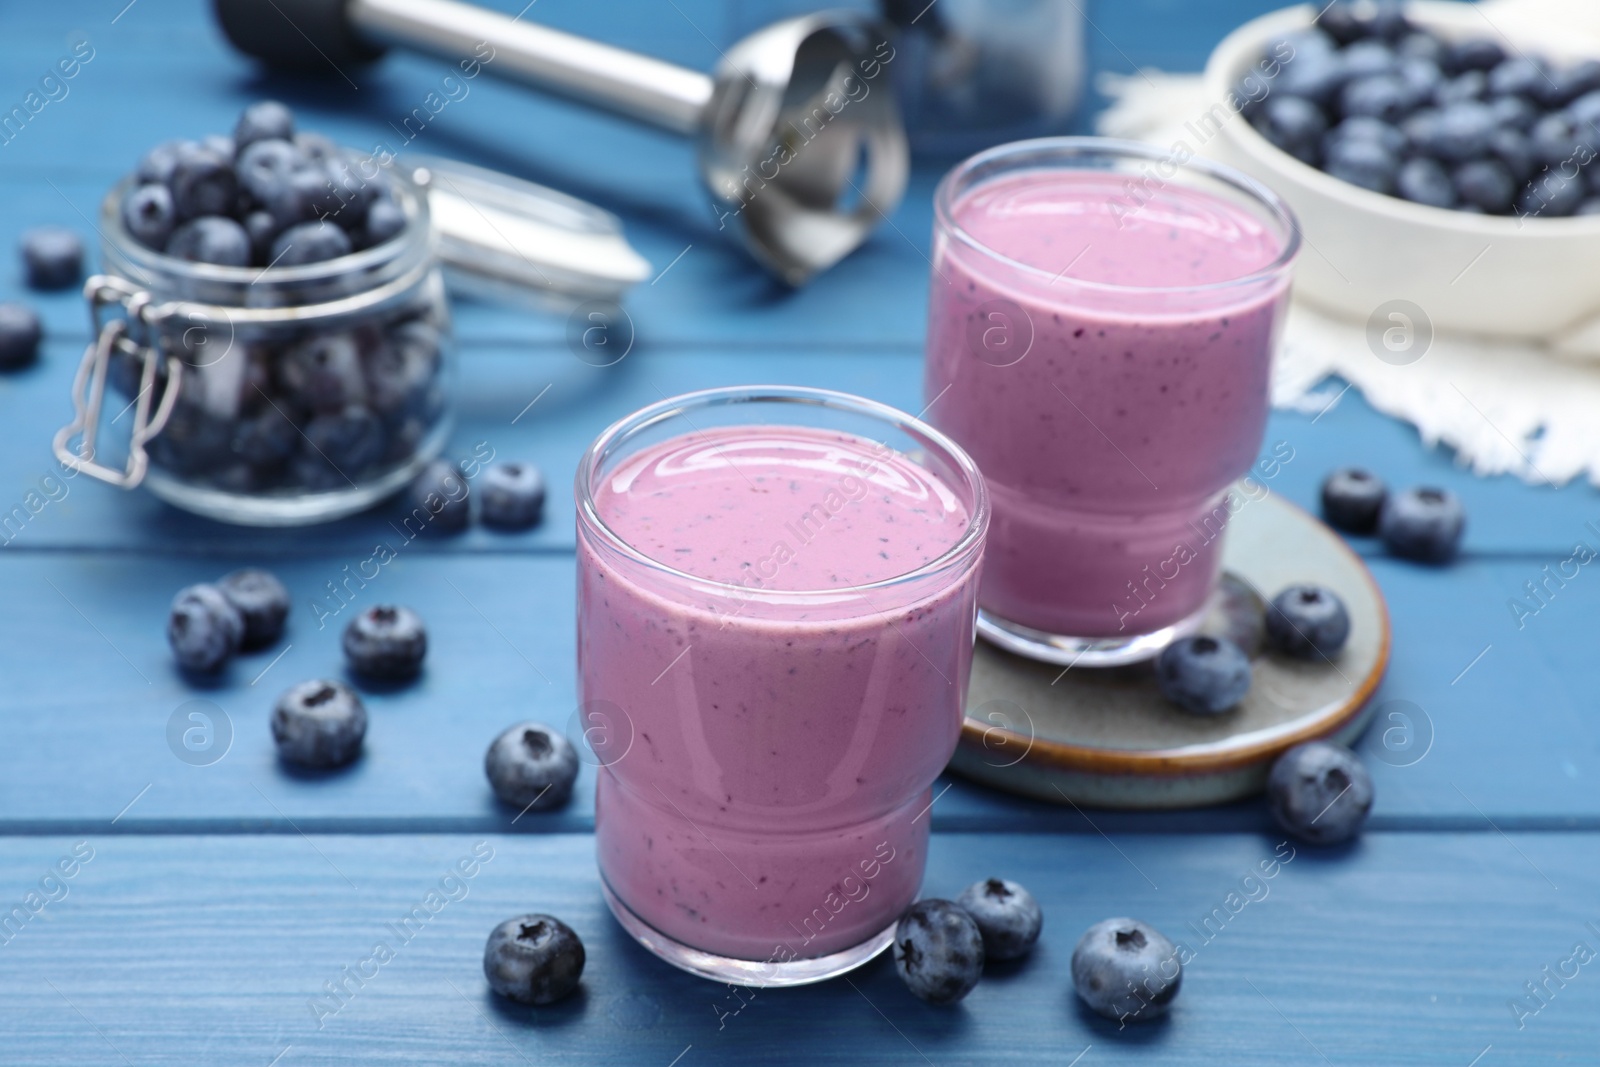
x,y
301,320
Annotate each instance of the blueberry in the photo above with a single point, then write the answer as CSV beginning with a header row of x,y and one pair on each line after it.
x,y
1423,524
265,169
1513,151
1520,76
511,495
1565,84
1389,21
1474,53
1586,109
385,220
1319,792
1420,46
1459,133
20,334
1308,622
1351,500
531,767
1425,181
441,496
938,951
1473,85
533,959
261,121
1382,96
386,643
157,164
354,194
1364,59
203,182
1364,127
1126,970
204,628
324,372
262,229
350,440
1340,21
1487,184
397,374
52,257
1560,138
1362,162
1515,112
319,724
261,601
264,440
1008,917
309,242
1203,675
148,214
1315,76
211,239
316,147
1422,79
1552,194
1294,124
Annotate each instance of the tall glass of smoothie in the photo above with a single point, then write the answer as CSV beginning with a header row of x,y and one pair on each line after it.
x,y
1101,324
777,591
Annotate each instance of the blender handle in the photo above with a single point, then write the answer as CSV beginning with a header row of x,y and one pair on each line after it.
x,y
613,79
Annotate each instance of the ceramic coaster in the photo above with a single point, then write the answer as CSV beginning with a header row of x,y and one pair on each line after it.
x,y
1107,738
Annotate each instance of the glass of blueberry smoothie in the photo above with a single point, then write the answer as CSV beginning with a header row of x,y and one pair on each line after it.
x,y
1101,323
777,591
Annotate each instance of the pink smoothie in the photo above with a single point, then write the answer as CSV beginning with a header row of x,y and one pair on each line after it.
x,y
1108,402
766,798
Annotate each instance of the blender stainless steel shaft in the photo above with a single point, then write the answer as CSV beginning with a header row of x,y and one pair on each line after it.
x,y
799,141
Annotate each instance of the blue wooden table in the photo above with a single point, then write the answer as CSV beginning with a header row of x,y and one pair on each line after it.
x,y
228,914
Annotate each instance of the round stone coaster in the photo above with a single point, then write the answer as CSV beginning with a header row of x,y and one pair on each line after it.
x,y
1106,738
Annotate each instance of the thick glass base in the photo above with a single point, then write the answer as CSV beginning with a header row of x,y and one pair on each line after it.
x,y
762,974
1068,651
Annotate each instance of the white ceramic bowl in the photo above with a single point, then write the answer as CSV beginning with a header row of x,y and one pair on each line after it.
x,y
1535,278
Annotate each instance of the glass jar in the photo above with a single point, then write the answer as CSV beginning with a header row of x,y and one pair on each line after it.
x,y
768,736
273,396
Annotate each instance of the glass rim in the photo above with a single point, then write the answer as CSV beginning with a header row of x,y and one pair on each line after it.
x,y
417,235
1049,152
625,428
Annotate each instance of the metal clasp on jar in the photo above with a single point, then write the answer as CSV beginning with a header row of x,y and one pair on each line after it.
x,y
131,335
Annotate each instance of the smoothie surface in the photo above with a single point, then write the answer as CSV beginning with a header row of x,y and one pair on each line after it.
x,y
1115,229
781,507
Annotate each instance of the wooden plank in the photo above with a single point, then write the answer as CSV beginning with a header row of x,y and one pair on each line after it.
x,y
213,949
1512,739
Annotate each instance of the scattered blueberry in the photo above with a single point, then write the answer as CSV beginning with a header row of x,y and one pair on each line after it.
x,y
204,628
319,724
938,951
386,642
531,767
1425,181
511,495
1308,622
20,334
1351,500
1126,970
533,959
1204,675
263,120
148,214
1008,917
261,600
309,242
1423,524
211,239
1319,792
52,257
441,496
